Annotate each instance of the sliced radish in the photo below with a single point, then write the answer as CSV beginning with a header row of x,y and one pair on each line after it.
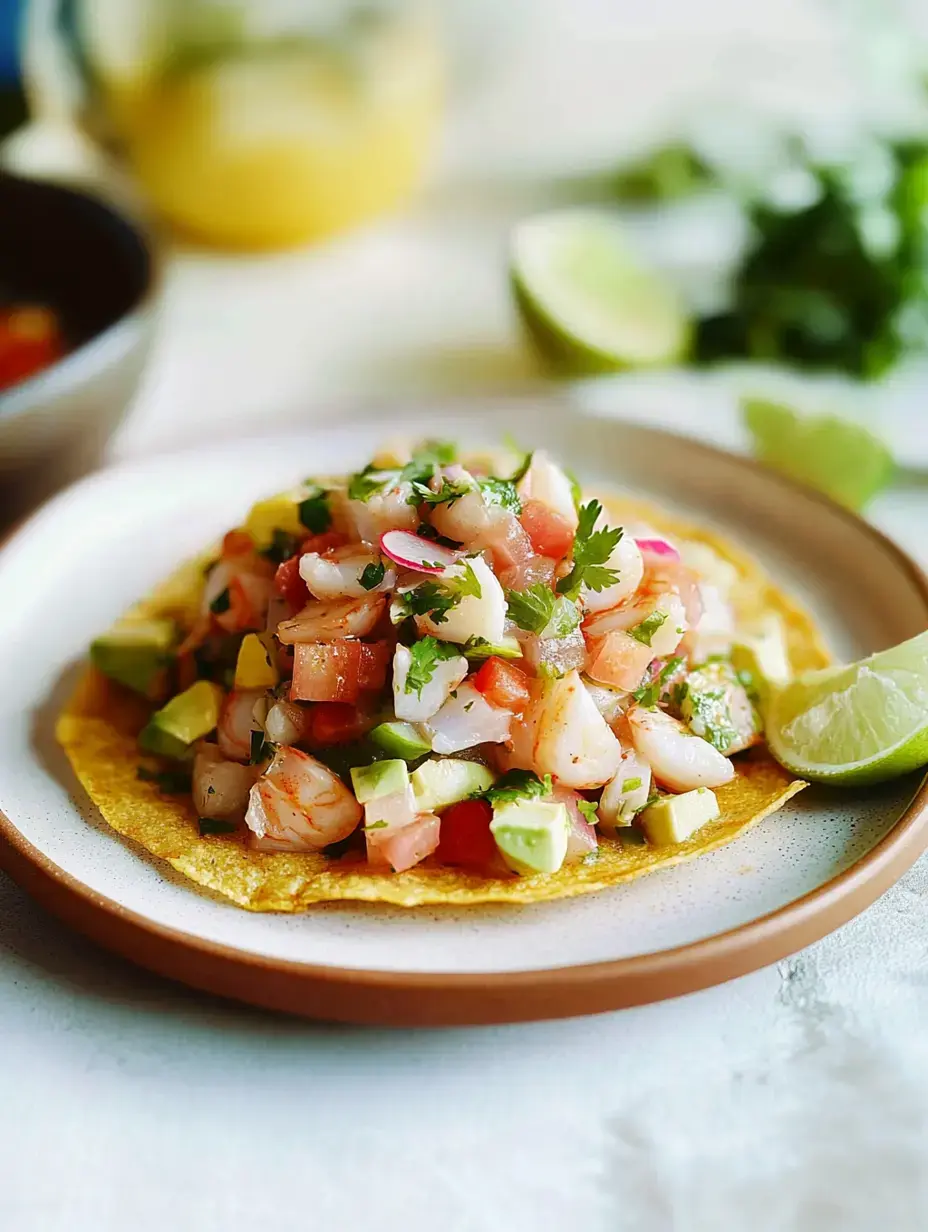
x,y
414,552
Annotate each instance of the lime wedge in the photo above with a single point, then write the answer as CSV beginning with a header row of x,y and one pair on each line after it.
x,y
841,459
859,723
586,302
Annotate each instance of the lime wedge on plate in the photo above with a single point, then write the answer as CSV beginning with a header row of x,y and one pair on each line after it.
x,y
588,304
841,459
854,724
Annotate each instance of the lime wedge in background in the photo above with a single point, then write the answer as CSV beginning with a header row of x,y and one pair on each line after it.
x,y
841,459
588,305
854,724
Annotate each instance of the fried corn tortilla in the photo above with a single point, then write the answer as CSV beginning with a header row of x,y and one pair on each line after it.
x,y
99,727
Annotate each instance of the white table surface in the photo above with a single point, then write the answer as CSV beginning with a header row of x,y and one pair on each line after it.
x,y
794,1099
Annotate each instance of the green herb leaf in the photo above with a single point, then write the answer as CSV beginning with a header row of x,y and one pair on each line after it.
x,y
518,785
171,782
592,549
261,748
650,694
373,575
429,599
283,545
631,784
588,809
522,469
426,654
644,632
221,603
425,531
369,482
465,583
449,492
564,619
501,492
214,825
531,609
314,511
479,648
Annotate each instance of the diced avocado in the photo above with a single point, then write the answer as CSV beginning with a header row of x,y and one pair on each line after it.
x,y
381,778
479,648
440,783
255,667
673,819
401,739
281,512
188,717
531,835
760,649
135,652
715,705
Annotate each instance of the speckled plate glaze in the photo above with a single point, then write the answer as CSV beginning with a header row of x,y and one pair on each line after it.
x,y
86,556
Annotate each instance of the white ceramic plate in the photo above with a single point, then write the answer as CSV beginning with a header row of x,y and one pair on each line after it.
x,y
85,557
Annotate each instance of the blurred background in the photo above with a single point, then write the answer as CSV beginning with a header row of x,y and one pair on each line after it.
x,y
228,216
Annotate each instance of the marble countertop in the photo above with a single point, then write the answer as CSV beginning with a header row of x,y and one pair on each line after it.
x,y
793,1100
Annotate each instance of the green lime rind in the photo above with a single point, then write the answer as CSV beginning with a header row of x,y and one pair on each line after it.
x,y
587,306
841,459
855,724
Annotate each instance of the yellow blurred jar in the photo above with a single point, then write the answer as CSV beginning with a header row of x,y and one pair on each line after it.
x,y
266,123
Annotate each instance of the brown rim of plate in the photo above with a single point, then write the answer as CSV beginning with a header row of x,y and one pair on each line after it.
x,y
404,998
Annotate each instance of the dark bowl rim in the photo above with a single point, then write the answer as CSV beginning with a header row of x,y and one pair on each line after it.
x,y
112,342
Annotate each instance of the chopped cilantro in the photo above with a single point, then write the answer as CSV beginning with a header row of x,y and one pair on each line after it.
x,y
564,619
283,545
631,784
652,799
522,469
518,785
531,609
367,483
501,492
377,825
588,809
480,648
591,856
425,531
443,452
449,492
468,707
426,654
429,599
214,825
708,714
547,671
221,603
644,632
678,694
171,782
465,583
592,549
314,511
650,694
261,748
373,575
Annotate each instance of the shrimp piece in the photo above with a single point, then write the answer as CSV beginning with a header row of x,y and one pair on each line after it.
x,y
220,787
678,759
332,620
339,572
563,734
299,804
656,619
545,482
386,510
482,527
237,720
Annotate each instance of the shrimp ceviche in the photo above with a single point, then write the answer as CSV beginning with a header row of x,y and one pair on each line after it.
x,y
442,663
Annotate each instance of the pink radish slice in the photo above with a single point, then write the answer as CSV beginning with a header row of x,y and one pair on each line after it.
x,y
413,552
657,550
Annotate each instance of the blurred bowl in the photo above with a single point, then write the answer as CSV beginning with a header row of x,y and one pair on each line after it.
x,y
77,255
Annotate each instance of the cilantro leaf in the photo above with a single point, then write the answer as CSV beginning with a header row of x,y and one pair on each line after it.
x,y
631,784
592,549
479,648
367,483
373,575
283,545
650,694
261,748
531,609
522,469
501,492
314,511
518,785
465,583
644,632
588,809
449,492
443,452
425,655
564,619
429,599
426,531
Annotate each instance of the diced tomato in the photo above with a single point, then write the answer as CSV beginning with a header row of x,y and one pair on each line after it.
x,y
289,585
550,532
618,660
237,543
323,543
338,671
465,835
400,847
30,340
503,685
337,723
